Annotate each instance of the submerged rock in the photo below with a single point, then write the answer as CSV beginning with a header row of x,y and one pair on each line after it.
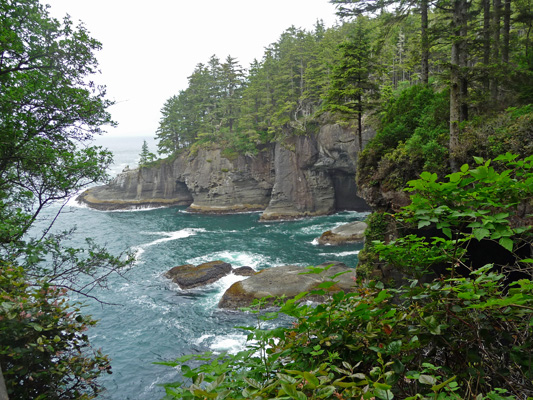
x,y
244,271
352,232
189,276
285,281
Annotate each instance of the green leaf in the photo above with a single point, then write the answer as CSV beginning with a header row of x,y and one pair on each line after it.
x,y
382,391
35,326
481,233
326,393
506,243
427,380
252,382
325,285
479,160
290,390
382,296
423,223
312,380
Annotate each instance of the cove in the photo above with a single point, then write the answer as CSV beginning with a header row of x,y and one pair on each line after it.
x,y
149,318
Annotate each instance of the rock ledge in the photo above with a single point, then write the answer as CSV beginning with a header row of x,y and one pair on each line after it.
x,y
353,232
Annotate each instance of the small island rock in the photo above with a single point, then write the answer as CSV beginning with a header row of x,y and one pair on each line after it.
x,y
286,280
188,276
348,233
244,271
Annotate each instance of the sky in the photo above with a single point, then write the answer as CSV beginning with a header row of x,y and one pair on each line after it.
x,y
150,48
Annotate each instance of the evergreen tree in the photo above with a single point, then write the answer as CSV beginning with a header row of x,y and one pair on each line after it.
x,y
352,87
145,156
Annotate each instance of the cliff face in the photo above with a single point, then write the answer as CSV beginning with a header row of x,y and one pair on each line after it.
x,y
305,175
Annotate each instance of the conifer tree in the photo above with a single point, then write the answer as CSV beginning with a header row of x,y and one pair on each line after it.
x,y
146,156
352,87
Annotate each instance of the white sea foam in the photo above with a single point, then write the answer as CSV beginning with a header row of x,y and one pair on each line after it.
x,y
315,229
348,253
168,236
75,204
202,338
236,259
341,254
232,343
182,233
137,252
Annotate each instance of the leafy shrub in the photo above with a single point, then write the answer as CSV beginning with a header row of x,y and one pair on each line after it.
x,y
44,349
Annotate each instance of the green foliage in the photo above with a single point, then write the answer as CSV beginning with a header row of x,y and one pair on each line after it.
x,y
412,137
478,204
44,348
278,96
50,110
492,135
351,85
378,224
146,157
455,337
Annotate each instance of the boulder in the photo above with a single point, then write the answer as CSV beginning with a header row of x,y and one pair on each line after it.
x,y
285,281
188,276
244,271
352,232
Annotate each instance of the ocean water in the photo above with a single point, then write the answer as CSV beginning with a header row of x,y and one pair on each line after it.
x,y
152,319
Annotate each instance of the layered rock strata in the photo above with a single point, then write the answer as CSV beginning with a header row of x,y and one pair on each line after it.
x,y
303,176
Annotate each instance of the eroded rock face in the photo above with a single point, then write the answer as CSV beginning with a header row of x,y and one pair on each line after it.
x,y
138,188
299,189
352,232
218,184
285,280
189,276
304,176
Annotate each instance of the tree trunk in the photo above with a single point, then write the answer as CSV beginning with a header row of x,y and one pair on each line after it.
x,y
486,44
458,21
425,42
3,389
495,47
360,122
506,31
463,61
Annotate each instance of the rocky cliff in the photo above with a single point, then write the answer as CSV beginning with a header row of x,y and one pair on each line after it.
x,y
303,176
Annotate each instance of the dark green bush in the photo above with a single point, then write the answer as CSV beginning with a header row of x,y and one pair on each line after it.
x,y
412,137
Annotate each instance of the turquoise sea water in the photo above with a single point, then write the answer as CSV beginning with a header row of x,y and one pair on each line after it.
x,y
155,320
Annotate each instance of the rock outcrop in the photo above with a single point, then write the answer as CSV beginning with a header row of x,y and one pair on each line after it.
x,y
189,276
303,176
352,232
285,281
139,188
315,175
